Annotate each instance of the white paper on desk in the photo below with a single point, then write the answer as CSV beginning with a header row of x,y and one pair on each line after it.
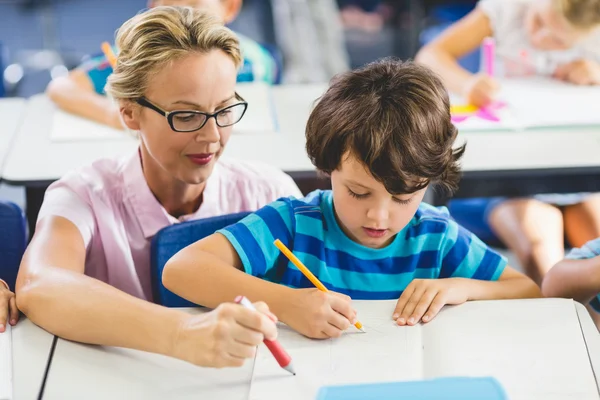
x,y
386,352
72,128
535,351
6,364
539,103
260,114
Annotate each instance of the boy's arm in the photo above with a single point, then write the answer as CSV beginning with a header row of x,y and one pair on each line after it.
x,y
510,285
75,94
576,279
209,273
442,54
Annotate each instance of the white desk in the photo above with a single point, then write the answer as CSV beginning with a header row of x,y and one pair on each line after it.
x,y
95,372
35,158
11,116
522,361
495,163
31,351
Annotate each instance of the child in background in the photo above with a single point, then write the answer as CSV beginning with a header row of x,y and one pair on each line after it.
x,y
383,133
557,38
82,92
578,277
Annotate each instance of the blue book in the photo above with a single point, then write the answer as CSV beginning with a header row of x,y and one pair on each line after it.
x,y
460,388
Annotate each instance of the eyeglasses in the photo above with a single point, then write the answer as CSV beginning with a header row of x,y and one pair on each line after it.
x,y
192,120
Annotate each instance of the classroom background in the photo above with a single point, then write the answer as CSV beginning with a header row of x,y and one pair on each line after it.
x,y
543,348
42,39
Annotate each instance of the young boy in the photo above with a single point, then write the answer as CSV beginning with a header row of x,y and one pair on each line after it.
x,y
383,134
578,277
82,92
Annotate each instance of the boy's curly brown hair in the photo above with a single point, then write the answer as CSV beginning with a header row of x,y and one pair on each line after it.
x,y
394,117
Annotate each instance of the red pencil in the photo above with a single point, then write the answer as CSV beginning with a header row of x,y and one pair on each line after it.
x,y
283,358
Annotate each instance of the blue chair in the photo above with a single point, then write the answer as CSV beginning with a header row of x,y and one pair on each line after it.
x,y
13,241
473,214
170,240
3,60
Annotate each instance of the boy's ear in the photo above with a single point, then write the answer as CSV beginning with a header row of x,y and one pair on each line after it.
x,y
152,3
231,9
130,114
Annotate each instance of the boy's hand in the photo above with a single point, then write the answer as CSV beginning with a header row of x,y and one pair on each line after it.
x,y
480,90
424,298
319,315
8,307
579,72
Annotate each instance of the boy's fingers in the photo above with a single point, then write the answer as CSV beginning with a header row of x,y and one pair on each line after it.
x,y
422,307
14,311
411,304
402,301
435,307
331,331
339,321
342,306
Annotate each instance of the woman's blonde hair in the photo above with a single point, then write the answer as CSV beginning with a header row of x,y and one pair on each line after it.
x,y
154,38
582,14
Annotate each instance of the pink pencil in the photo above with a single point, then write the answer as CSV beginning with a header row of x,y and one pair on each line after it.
x,y
282,357
488,50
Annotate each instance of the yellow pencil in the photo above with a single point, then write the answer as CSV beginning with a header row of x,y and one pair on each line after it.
x,y
282,247
108,53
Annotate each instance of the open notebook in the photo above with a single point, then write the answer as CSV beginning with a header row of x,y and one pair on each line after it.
x,y
67,127
6,364
387,353
539,103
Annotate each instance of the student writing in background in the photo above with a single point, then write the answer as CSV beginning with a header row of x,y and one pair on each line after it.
x,y
556,38
383,134
82,91
86,273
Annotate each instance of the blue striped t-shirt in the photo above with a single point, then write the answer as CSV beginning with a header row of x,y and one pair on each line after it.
x,y
589,250
431,246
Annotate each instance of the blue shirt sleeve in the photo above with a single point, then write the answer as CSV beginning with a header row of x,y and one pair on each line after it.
x,y
253,237
589,250
98,69
464,255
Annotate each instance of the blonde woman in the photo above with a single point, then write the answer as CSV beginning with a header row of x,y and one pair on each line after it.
x,y
86,275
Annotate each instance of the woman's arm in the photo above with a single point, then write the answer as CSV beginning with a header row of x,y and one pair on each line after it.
x,y
54,293
510,285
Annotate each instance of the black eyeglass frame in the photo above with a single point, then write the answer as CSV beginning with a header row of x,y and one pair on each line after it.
x,y
169,115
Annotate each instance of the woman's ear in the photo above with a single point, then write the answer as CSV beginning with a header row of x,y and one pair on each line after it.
x,y
231,9
130,113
